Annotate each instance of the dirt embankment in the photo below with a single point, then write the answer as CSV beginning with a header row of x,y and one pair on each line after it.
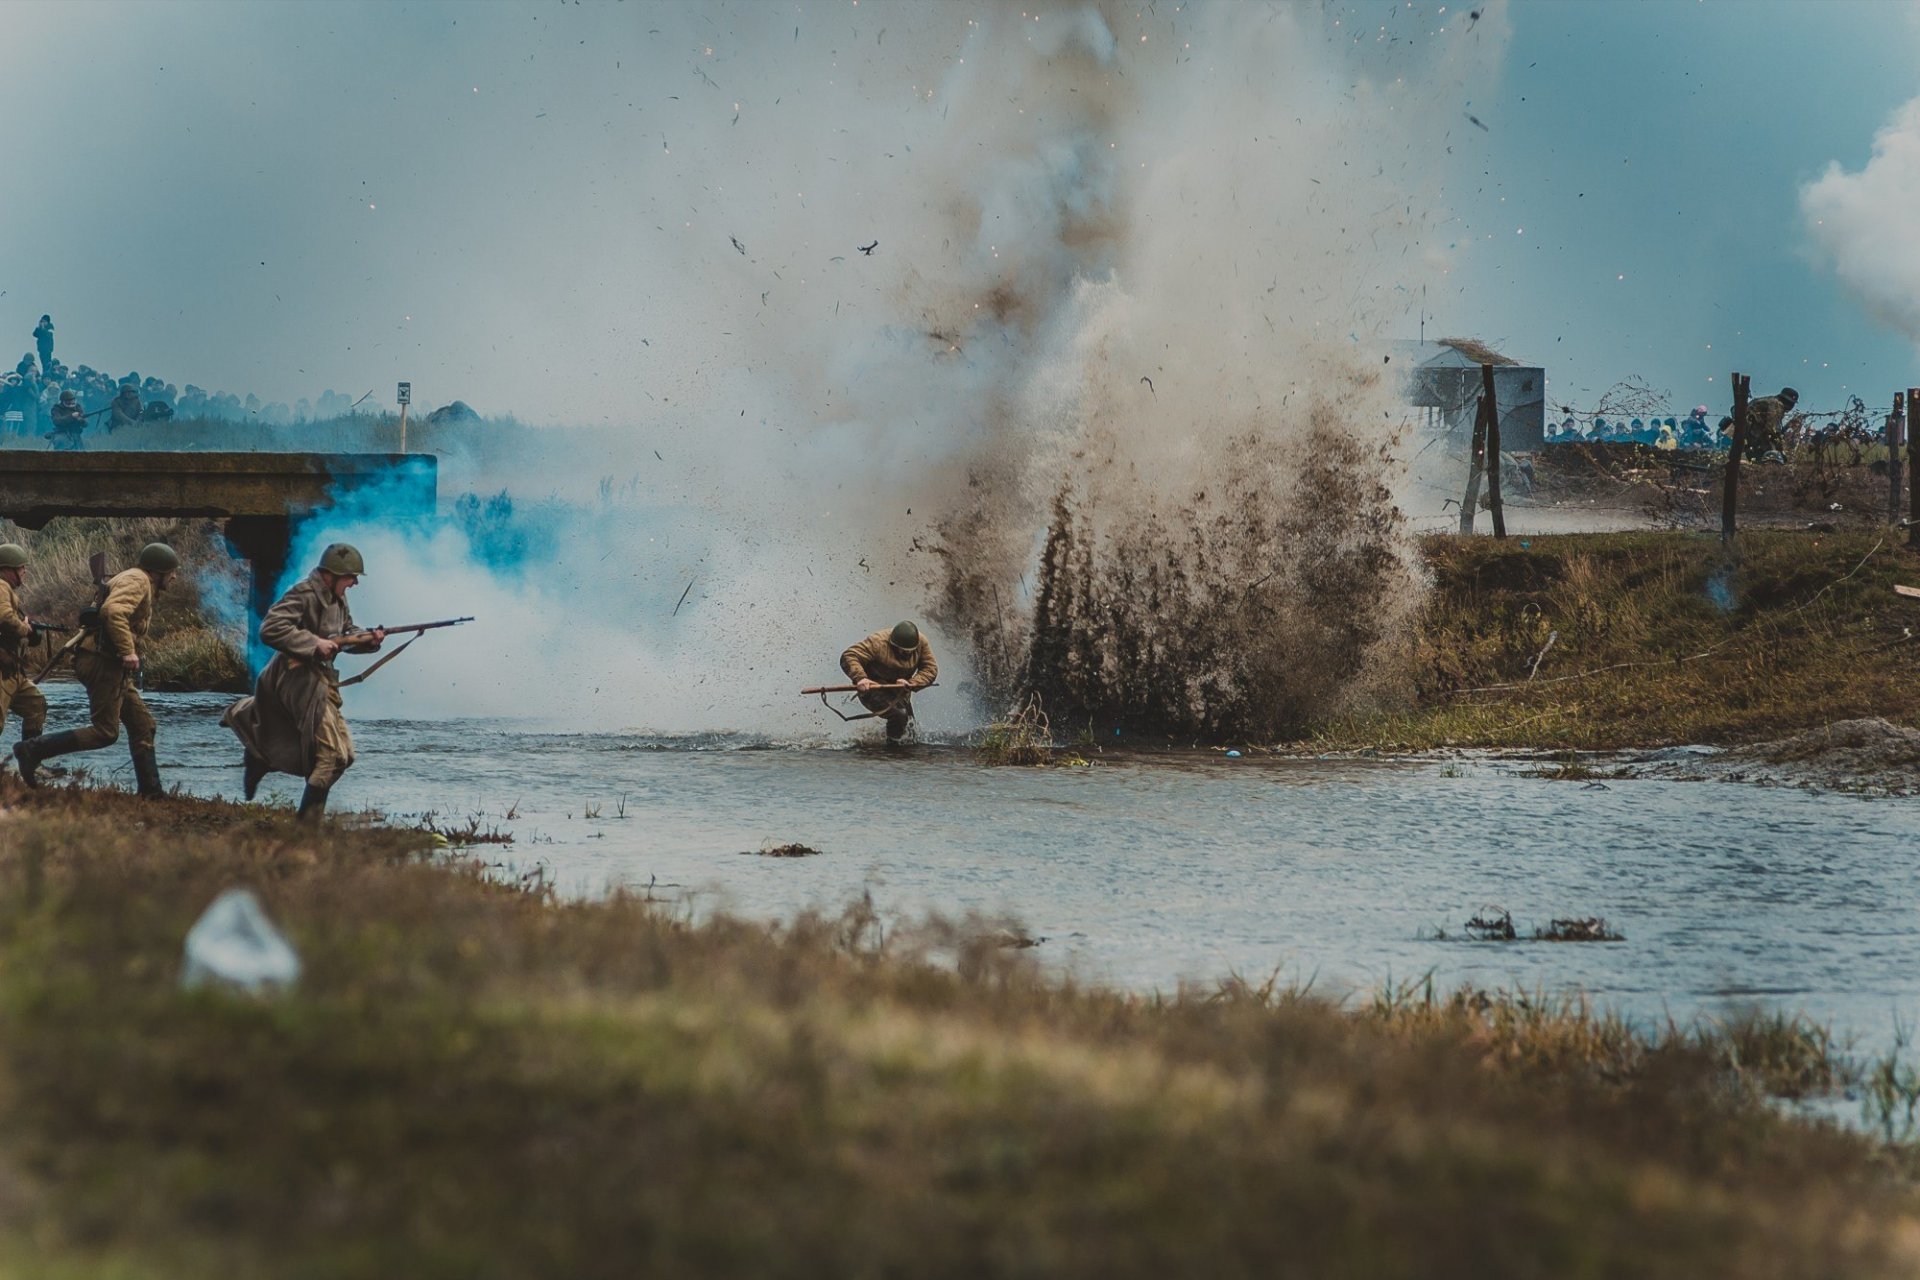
x,y
1867,756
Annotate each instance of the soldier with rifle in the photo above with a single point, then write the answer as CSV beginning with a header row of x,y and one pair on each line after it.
x,y
887,667
293,721
106,659
69,421
18,692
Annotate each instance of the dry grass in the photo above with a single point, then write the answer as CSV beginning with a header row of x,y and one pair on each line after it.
x,y
1023,736
477,1080
1601,641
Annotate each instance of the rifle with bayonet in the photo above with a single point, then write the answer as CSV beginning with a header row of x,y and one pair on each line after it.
x,y
367,635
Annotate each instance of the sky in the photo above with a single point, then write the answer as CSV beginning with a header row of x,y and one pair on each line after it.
x,y
534,207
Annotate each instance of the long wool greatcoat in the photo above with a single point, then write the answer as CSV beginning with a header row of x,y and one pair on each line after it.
x,y
280,723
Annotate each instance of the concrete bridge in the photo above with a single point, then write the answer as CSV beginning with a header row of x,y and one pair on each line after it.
x,y
260,495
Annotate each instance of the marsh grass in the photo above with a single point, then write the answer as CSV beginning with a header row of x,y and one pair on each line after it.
x,y
1021,737
1644,654
477,1078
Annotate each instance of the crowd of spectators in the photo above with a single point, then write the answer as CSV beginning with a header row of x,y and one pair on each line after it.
x,y
33,392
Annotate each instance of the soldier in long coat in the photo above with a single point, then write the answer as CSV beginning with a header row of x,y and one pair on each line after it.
x,y
18,692
887,667
293,722
107,662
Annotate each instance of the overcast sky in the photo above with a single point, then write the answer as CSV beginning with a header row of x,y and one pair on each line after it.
x,y
532,207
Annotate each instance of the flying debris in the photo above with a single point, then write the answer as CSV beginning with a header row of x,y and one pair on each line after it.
x,y
868,248
736,244
1475,121
1149,382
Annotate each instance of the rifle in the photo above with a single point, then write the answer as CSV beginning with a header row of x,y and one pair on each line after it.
x,y
350,638
44,628
824,689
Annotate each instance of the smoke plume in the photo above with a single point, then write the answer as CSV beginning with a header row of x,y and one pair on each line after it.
x,y
1863,227
983,315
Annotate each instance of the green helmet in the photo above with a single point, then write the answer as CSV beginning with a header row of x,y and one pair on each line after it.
x,y
905,636
158,557
344,558
12,556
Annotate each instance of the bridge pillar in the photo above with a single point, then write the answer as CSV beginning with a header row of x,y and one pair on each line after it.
x,y
264,543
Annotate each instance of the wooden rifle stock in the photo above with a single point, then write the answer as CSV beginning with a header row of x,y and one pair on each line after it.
x,y
365,635
854,688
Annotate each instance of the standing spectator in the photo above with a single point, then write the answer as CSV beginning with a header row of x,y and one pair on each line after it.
x,y
43,337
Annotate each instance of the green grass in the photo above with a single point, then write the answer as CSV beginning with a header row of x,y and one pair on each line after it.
x,y
1602,641
473,1080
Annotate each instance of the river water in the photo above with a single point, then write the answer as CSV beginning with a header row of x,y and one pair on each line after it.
x,y
1150,871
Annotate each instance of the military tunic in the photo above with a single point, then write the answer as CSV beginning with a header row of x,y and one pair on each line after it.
x,y
98,664
293,721
18,692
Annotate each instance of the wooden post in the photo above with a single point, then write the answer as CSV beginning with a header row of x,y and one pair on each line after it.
x,y
1896,434
403,427
1490,410
1913,490
1476,459
1730,500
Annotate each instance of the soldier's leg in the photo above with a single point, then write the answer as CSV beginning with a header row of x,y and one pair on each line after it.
x,y
332,756
893,707
31,706
106,684
141,733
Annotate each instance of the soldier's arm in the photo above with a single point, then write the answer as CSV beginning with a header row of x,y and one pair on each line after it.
x,y
12,621
928,671
285,628
123,597
854,660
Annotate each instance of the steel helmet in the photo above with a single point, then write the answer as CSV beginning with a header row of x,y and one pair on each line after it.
x,y
343,558
158,557
1790,396
67,397
12,556
904,636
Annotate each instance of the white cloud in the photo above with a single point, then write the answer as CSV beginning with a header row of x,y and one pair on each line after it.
x,y
1865,227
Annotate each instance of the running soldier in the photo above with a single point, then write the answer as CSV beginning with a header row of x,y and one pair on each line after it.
x,y
107,662
18,692
293,722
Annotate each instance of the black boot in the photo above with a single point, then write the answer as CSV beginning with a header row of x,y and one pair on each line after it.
x,y
146,773
29,752
313,803
253,769
897,726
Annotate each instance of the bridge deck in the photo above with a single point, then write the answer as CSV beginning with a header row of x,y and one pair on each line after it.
x,y
36,486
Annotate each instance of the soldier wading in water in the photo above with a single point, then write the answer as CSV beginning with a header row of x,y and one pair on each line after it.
x,y
107,662
292,723
18,692
887,667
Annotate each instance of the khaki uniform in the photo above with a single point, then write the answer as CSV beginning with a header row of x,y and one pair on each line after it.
x,y
876,659
111,694
18,692
1764,417
293,720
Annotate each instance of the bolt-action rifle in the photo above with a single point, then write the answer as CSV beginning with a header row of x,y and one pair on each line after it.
x,y
824,689
348,639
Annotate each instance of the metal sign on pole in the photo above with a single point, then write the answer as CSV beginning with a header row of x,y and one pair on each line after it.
x,y
406,398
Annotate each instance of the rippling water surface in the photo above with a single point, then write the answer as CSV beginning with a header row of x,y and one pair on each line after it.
x,y
1149,872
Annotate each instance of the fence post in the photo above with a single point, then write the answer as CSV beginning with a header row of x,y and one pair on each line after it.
x,y
1476,459
1730,499
1913,490
1491,407
1896,435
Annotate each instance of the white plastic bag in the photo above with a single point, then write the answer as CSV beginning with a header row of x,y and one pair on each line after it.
x,y
234,943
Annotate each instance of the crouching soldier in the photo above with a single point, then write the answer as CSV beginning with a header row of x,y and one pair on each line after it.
x,y
18,692
292,723
887,667
107,662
